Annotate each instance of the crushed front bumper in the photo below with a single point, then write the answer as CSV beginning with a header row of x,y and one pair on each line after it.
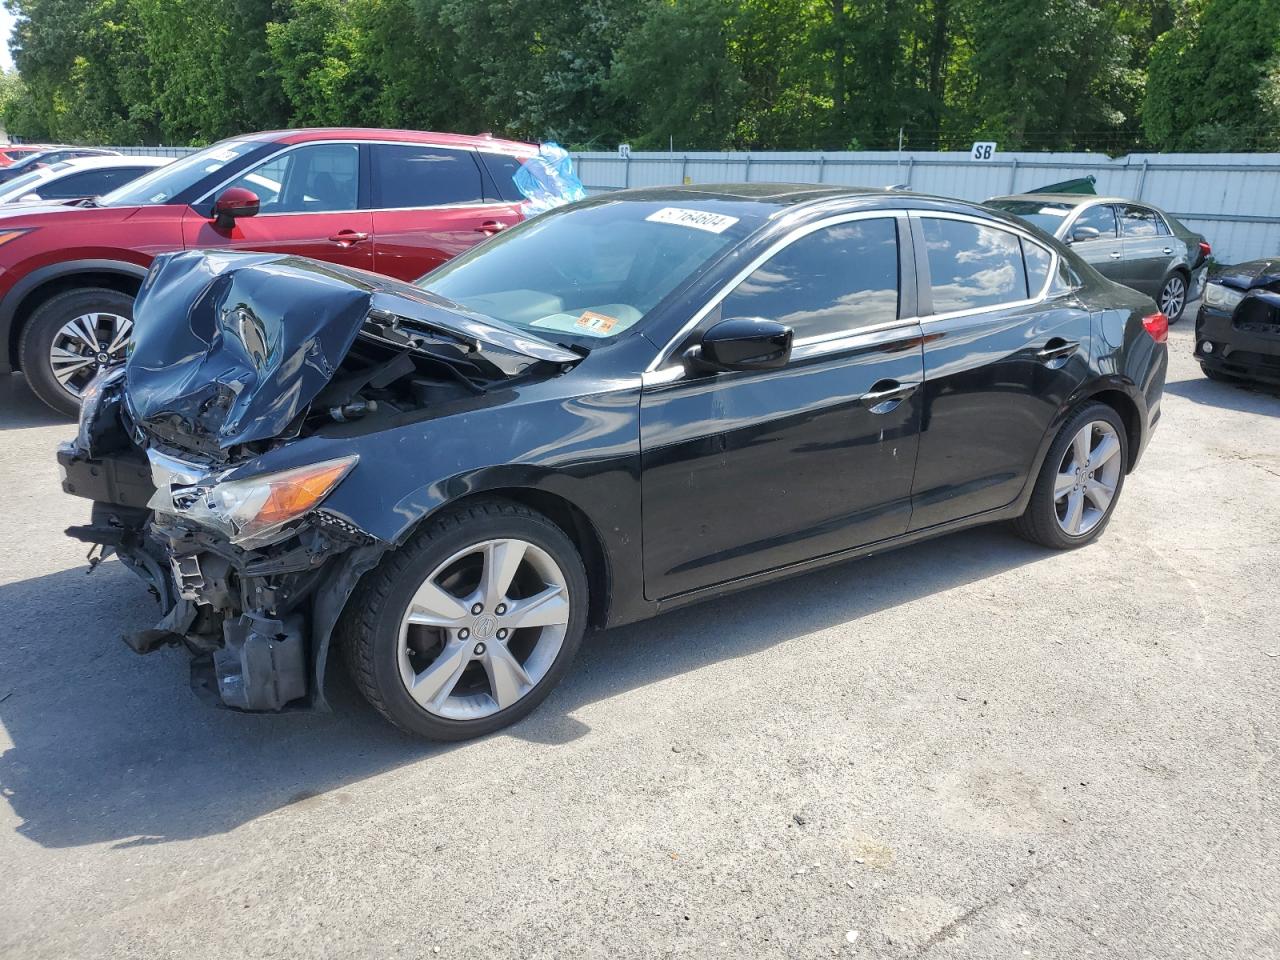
x,y
1244,343
257,623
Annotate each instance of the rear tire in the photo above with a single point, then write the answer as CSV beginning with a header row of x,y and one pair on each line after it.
x,y
1173,296
49,323
1067,508
476,669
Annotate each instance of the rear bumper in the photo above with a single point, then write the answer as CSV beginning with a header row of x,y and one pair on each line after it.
x,y
1222,346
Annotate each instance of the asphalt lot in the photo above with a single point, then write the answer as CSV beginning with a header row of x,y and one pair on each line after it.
x,y
970,748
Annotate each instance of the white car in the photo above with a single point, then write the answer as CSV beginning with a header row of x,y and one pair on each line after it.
x,y
76,178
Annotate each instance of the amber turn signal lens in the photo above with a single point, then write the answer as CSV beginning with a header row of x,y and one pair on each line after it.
x,y
7,235
296,492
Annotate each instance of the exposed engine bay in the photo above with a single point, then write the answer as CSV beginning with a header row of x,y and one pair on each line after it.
x,y
235,356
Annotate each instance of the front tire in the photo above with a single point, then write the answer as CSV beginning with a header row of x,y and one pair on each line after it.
x,y
69,338
1079,482
468,627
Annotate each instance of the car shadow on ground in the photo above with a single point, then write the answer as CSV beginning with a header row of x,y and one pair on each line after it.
x,y
22,408
112,747
1242,397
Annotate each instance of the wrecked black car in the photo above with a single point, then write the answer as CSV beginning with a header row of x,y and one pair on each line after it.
x,y
616,408
1238,326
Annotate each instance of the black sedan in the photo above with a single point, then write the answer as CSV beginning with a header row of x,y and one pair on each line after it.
x,y
614,409
1238,327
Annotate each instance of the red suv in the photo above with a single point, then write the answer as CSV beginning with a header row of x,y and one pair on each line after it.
x,y
398,202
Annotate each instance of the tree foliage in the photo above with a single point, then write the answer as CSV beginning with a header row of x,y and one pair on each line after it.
x,y
699,74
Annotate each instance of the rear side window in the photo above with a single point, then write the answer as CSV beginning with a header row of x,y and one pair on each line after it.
x,y
413,176
1102,219
502,168
835,279
1139,222
972,266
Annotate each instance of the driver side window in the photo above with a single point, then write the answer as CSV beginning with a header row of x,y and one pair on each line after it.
x,y
316,178
837,279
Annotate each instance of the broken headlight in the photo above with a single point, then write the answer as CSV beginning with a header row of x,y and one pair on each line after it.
x,y
251,511
1221,298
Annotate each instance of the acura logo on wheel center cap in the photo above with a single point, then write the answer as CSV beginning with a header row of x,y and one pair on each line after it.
x,y
485,626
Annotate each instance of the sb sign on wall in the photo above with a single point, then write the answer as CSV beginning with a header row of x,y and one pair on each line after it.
x,y
983,150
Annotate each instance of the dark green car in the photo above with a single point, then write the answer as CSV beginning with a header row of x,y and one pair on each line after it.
x,y
1132,243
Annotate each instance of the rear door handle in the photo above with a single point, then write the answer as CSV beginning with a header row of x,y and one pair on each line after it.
x,y
885,395
1115,254
346,238
1056,352
490,227
1168,250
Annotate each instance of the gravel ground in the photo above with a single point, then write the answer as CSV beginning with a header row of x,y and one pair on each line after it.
x,y
969,748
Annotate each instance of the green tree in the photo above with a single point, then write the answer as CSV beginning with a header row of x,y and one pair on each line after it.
x,y
1211,83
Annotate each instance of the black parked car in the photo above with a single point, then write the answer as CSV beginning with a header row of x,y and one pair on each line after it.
x,y
616,408
1132,243
1238,327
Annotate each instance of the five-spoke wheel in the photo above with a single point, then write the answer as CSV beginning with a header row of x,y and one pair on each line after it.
x,y
1080,480
468,626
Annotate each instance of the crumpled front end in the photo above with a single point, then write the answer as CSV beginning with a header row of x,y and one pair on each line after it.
x,y
196,453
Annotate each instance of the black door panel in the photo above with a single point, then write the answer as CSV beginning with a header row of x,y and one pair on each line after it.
x,y
993,384
746,472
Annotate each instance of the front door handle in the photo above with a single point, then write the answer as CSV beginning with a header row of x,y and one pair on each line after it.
x,y
885,395
1056,352
1115,254
490,227
347,238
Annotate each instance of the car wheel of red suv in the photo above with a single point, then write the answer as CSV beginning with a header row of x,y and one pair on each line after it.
x,y
70,338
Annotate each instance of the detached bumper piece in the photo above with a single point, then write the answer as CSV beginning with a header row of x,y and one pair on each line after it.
x,y
1244,344
262,664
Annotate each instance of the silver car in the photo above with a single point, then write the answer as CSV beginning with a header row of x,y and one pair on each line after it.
x,y
1132,243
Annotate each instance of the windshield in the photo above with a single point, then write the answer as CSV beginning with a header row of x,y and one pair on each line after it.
x,y
592,271
1047,216
20,185
165,183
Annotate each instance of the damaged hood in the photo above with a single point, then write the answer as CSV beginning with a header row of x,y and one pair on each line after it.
x,y
1246,276
229,348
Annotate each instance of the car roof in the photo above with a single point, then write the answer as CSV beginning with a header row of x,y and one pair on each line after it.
x,y
93,163
307,134
1072,199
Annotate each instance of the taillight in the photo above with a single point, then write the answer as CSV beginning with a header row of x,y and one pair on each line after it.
x,y
1157,324
1205,250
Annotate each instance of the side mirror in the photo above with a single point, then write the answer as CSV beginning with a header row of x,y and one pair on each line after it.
x,y
1083,234
743,343
234,202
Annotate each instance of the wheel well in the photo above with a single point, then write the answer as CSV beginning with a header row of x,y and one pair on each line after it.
x,y
577,527
1122,404
121,282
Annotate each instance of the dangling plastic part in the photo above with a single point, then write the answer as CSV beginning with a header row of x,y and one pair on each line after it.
x,y
547,180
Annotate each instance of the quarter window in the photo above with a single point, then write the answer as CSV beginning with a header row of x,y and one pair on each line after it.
x,y
1139,222
835,279
503,168
411,176
1102,219
1037,261
317,178
972,266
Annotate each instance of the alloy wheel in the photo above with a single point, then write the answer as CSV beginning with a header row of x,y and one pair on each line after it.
x,y
1173,297
483,629
1087,478
84,346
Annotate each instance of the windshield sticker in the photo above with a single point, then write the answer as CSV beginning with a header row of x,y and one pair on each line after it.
x,y
698,219
597,323
225,155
